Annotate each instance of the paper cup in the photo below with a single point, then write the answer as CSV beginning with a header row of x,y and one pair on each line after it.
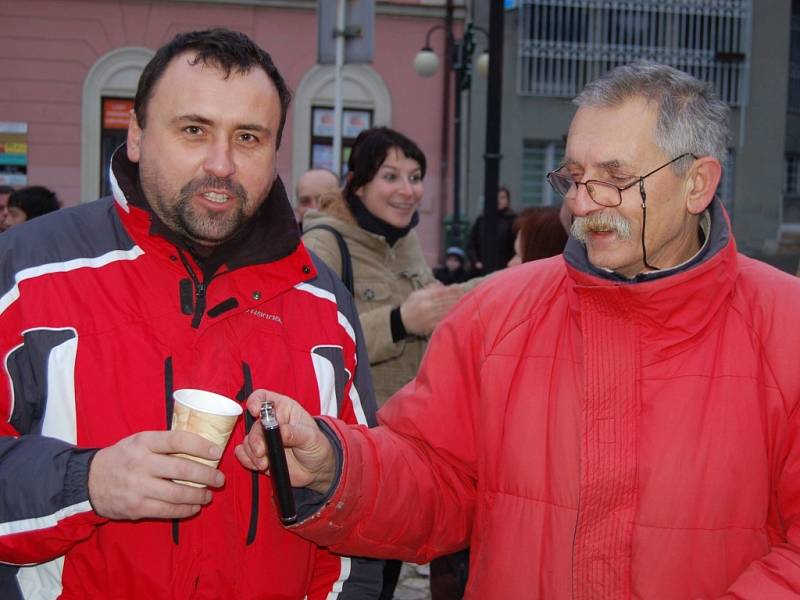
x,y
207,414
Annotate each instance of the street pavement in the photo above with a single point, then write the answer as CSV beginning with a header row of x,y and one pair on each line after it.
x,y
414,583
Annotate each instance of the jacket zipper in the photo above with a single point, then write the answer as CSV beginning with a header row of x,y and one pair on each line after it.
x,y
200,288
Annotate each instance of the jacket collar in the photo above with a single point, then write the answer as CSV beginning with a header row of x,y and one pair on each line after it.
x,y
271,235
672,307
715,218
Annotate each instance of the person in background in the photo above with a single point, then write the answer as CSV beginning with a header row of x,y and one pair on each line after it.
x,y
539,233
5,191
504,234
312,187
619,421
191,276
454,269
28,203
399,301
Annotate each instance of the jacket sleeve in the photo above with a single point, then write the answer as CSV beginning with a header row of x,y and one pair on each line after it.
x,y
407,488
777,574
44,498
354,578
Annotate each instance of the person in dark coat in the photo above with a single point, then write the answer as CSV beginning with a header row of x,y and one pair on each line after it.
x,y
455,267
504,237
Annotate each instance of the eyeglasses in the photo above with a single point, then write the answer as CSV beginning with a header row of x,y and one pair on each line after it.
x,y
601,192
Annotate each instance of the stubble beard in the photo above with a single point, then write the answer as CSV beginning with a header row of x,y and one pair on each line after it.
x,y
203,227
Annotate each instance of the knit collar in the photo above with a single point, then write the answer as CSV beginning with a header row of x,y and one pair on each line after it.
x,y
366,220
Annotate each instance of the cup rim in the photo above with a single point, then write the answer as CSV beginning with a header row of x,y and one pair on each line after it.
x,y
207,402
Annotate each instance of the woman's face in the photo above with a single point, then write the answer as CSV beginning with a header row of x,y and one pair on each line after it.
x,y
15,216
396,190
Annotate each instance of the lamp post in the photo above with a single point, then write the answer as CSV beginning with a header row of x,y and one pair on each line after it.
x,y
426,63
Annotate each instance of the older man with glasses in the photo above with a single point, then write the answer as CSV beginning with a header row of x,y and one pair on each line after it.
x,y
619,422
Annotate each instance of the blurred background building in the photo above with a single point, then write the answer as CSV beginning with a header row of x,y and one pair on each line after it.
x,y
748,49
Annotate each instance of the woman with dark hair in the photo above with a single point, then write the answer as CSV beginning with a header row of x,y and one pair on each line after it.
x,y
28,203
539,233
397,297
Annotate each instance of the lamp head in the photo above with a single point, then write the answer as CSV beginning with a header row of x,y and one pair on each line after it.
x,y
426,63
482,65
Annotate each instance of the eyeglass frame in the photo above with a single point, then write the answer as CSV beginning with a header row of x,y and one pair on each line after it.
x,y
642,193
640,180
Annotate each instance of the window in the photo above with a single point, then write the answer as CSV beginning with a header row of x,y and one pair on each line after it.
x,y
538,159
322,121
115,115
794,60
564,44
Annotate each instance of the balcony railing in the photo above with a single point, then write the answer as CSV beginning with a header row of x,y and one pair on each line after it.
x,y
563,44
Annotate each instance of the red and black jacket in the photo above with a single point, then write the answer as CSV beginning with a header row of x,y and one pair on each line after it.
x,y
102,315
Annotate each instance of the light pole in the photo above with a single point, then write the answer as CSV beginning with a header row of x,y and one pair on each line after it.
x,y
426,63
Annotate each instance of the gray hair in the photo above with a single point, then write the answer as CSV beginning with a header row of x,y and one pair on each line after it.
x,y
691,118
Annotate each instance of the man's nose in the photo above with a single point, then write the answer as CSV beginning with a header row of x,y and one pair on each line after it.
x,y
579,202
219,161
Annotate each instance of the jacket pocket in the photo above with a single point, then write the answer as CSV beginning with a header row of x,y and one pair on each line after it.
x,y
373,293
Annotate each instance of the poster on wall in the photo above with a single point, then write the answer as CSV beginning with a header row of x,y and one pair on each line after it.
x,y
13,153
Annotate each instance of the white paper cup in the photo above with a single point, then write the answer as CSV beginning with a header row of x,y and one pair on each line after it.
x,y
207,414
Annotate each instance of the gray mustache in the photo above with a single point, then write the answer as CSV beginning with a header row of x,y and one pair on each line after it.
x,y
604,221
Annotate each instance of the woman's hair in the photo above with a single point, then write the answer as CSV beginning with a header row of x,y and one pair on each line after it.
x,y
370,150
541,233
34,201
691,118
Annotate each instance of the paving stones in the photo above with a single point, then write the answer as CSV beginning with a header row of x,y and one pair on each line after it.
x,y
414,583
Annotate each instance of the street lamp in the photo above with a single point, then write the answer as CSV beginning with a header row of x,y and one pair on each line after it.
x,y
426,63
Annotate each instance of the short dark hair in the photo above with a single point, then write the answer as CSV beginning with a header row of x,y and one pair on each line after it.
x,y
227,50
6,189
369,151
34,201
505,189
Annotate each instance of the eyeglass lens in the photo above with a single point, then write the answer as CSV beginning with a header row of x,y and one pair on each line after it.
x,y
600,192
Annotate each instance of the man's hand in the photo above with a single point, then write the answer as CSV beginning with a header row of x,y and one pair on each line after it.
x,y
424,308
308,451
132,479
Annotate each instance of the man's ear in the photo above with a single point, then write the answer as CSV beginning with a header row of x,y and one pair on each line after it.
x,y
702,182
134,145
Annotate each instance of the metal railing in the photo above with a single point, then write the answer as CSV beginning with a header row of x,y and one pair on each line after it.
x,y
563,44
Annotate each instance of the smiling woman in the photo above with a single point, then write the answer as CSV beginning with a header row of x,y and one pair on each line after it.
x,y
398,299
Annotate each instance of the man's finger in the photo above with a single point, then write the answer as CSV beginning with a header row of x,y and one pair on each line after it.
x,y
181,467
181,442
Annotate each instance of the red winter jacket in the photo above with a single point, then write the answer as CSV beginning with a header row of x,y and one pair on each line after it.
x,y
591,438
99,321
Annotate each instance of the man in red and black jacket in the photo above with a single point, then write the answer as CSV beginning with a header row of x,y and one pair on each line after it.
x,y
191,276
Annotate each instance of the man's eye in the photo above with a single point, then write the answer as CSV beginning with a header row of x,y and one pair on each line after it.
x,y
620,179
248,138
193,130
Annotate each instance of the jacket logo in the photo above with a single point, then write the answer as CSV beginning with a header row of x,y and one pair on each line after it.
x,y
265,315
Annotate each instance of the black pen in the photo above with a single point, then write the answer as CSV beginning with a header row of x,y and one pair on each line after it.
x,y
278,469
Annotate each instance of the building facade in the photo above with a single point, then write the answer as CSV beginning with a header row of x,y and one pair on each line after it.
x,y
70,68
748,50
